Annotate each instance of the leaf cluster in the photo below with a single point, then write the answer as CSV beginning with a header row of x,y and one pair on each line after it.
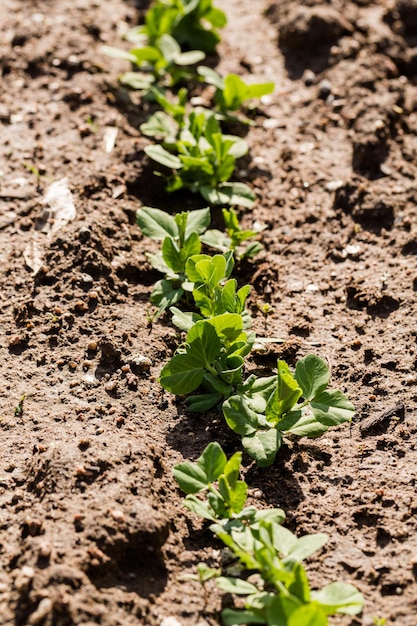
x,y
201,158
231,91
211,360
203,276
174,36
235,238
287,403
256,538
180,241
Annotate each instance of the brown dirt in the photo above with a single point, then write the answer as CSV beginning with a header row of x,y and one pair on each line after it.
x,y
91,525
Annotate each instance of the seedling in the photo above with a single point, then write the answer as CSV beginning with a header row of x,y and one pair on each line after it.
x,y
204,573
261,410
18,410
231,91
165,124
180,236
234,238
163,62
214,292
202,159
194,24
289,403
212,359
175,35
261,544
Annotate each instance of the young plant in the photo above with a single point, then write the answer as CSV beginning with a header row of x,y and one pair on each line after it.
x,y
299,403
162,62
234,238
175,35
211,359
214,292
166,124
231,91
194,24
203,159
180,241
282,596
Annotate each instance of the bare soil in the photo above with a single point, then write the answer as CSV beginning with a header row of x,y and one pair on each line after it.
x,y
92,530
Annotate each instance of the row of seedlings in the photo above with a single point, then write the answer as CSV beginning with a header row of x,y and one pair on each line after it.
x,y
192,152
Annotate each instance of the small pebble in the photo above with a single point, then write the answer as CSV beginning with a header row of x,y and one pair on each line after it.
x,y
118,515
45,607
309,78
325,89
111,385
24,578
84,234
140,362
80,307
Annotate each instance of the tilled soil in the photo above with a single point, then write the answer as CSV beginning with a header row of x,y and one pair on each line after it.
x,y
92,530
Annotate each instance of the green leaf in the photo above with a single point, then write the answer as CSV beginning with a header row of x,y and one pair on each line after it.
x,y
164,294
218,385
169,47
239,416
286,394
171,255
259,89
302,423
184,321
308,615
229,193
159,125
199,508
216,17
204,341
212,461
137,80
191,267
232,468
300,587
332,408
231,617
197,221
263,446
305,546
228,327
156,224
191,57
239,147
162,156
279,609
146,54
210,76
339,598
157,261
312,374
190,477
235,585
116,53
206,573
228,295
182,374
203,402
216,239
192,246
